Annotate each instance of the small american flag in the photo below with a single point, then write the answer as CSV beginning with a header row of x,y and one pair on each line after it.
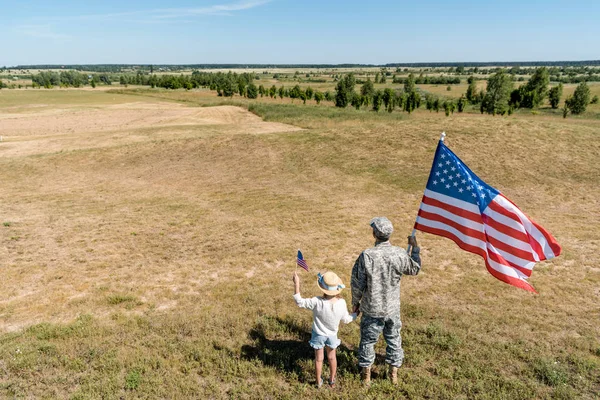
x,y
301,262
458,205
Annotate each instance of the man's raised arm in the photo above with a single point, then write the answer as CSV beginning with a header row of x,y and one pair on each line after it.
x,y
413,266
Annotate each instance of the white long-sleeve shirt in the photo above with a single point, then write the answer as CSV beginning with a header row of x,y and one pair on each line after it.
x,y
326,314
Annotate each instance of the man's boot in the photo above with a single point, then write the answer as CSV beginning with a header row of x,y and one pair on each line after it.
x,y
394,374
365,375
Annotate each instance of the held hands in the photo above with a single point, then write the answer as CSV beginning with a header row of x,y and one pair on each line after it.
x,y
356,310
412,241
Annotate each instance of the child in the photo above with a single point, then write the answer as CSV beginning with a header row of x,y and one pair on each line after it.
x,y
328,311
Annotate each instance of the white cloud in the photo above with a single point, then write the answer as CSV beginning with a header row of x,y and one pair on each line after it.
x,y
165,14
219,9
45,31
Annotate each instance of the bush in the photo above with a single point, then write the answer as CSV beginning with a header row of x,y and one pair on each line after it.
x,y
318,97
594,100
356,101
344,91
252,91
377,100
580,99
388,99
554,95
471,94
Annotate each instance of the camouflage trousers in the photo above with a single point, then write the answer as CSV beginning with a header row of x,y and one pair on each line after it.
x,y
370,329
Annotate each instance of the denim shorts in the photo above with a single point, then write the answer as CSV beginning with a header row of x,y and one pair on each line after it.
x,y
318,342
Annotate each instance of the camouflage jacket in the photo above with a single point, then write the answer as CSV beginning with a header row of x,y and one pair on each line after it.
x,y
376,278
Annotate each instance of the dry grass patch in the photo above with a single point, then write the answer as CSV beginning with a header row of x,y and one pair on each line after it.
x,y
160,267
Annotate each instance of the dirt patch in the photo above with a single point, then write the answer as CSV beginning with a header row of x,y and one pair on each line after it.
x,y
72,128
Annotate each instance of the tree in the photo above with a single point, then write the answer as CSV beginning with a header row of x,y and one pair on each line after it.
x,y
345,90
399,99
377,100
303,96
429,101
309,93
537,87
499,88
261,90
471,91
252,91
580,99
328,96
273,91
554,95
388,99
93,83
241,88
412,101
449,107
227,87
318,97
295,92
409,84
356,100
533,93
367,89
383,77
594,100
281,92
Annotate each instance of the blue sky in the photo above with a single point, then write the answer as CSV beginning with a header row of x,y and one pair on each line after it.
x,y
294,31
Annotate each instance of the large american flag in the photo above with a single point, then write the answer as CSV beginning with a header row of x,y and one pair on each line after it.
x,y
301,261
458,205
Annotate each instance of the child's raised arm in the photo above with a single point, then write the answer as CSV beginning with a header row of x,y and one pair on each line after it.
x,y
296,280
302,303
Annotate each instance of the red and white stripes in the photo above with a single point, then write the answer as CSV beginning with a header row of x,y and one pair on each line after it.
x,y
509,241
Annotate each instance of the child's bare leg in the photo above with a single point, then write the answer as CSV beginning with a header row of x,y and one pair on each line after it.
x,y
318,364
332,363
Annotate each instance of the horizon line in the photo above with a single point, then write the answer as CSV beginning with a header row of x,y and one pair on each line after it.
x,y
312,65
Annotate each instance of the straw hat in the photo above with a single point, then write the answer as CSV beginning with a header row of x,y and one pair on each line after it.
x,y
330,283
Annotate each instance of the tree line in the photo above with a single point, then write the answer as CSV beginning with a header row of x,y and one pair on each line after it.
x,y
50,79
173,67
431,80
499,97
502,98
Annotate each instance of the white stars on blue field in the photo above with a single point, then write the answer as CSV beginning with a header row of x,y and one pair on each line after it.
x,y
457,180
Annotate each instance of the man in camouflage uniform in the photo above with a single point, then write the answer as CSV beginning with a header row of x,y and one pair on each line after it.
x,y
376,294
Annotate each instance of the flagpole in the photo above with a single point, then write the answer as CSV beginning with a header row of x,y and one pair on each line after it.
x,y
414,231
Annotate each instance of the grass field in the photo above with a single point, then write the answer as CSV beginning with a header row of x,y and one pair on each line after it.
x,y
148,243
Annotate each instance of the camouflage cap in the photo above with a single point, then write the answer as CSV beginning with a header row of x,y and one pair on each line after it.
x,y
382,227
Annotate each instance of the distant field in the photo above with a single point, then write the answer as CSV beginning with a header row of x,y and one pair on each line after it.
x,y
148,242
